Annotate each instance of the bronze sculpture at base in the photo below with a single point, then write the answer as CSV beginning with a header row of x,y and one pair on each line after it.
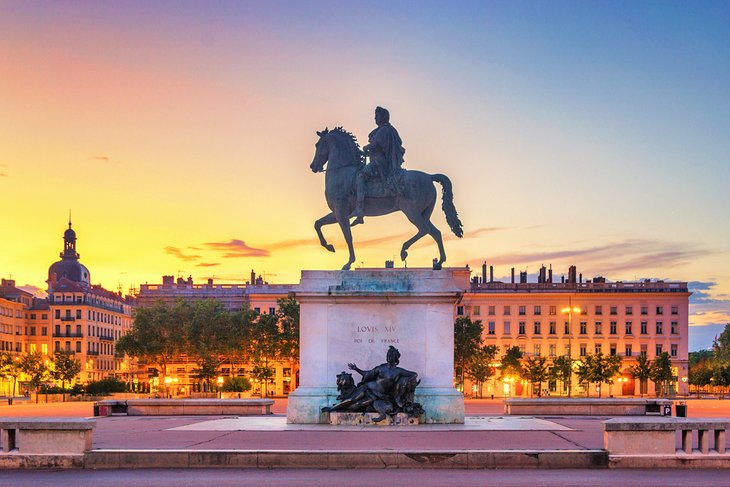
x,y
386,389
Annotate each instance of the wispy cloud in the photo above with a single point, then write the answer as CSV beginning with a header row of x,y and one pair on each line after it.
x,y
207,264
3,175
235,248
177,252
100,158
34,290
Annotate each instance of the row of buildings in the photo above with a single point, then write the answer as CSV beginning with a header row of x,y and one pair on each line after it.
x,y
570,317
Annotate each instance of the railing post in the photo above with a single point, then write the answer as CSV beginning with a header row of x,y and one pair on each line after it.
x,y
687,441
703,441
720,441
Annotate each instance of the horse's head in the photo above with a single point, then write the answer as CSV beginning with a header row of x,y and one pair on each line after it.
x,y
321,152
338,147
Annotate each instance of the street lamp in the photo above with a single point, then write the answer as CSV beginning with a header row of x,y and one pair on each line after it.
x,y
219,381
569,310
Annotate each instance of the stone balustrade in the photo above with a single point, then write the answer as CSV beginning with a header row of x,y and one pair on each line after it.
x,y
652,441
31,435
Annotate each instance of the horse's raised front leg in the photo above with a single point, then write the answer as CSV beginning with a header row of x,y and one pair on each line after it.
x,y
325,220
343,218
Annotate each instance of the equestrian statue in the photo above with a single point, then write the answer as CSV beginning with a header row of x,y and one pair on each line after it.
x,y
354,189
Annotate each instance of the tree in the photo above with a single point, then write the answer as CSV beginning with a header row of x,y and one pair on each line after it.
x,y
467,341
207,337
661,372
236,384
721,358
264,342
612,368
511,364
33,366
479,368
597,368
288,316
535,371
562,371
642,371
65,368
158,334
10,368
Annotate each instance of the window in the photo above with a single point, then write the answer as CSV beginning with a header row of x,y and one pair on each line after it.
x,y
68,346
537,350
490,310
567,328
32,316
599,310
583,349
660,310
272,311
599,327
628,328
598,348
78,347
644,325
506,310
460,311
659,329
44,316
68,313
57,346
614,310
644,310
584,310
613,349
553,327
78,314
675,328
44,349
537,310
522,348
628,351
673,350
78,330
675,310
506,327
522,310
477,310
659,349
286,372
612,328
553,311
552,350
44,331
536,329
258,310
32,331
629,310
58,313
32,348
521,328
490,328
583,327
567,350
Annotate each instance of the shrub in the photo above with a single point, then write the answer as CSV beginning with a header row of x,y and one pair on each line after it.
x,y
105,386
236,384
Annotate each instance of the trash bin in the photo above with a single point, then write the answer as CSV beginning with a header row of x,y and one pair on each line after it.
x,y
681,409
10,401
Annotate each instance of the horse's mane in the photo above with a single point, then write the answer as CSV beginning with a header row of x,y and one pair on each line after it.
x,y
350,140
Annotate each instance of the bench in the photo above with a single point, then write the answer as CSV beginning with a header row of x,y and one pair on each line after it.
x,y
582,406
31,435
183,407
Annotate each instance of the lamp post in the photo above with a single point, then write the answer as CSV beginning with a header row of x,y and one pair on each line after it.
x,y
569,310
219,381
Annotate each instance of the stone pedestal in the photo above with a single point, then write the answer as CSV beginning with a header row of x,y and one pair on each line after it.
x,y
366,419
353,316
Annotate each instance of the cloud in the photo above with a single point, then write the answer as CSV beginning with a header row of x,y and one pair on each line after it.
x,y
34,290
207,264
3,175
235,248
100,158
176,252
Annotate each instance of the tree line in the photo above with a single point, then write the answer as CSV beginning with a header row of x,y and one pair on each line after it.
x,y
477,362
712,367
206,333
61,367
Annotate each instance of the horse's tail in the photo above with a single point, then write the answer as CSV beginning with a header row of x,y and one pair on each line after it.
x,y
447,196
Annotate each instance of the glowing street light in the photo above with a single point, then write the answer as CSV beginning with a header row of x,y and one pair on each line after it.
x,y
569,310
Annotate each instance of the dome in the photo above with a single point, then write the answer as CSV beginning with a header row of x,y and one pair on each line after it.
x,y
71,269
69,234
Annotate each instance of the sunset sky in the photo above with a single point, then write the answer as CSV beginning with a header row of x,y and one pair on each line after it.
x,y
179,134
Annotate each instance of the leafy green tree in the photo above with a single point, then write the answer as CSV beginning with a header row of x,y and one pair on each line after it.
x,y
263,374
33,366
157,334
479,368
562,370
288,316
10,368
721,358
467,342
511,364
597,368
236,384
641,370
264,342
661,372
65,368
535,371
207,337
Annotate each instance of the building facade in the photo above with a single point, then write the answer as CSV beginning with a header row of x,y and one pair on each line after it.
x,y
575,318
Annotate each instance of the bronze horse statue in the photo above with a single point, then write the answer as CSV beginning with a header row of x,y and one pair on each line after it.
x,y
417,198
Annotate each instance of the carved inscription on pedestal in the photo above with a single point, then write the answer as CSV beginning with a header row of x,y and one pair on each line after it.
x,y
381,334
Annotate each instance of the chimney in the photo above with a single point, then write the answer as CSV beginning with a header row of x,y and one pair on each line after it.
x,y
253,278
484,271
580,279
562,279
571,275
523,277
541,275
491,273
210,281
550,274
513,275
389,264
168,280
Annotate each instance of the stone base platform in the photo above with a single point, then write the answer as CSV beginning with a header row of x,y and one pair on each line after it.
x,y
184,407
367,419
586,406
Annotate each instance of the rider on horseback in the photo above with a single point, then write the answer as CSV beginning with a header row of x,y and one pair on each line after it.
x,y
385,149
